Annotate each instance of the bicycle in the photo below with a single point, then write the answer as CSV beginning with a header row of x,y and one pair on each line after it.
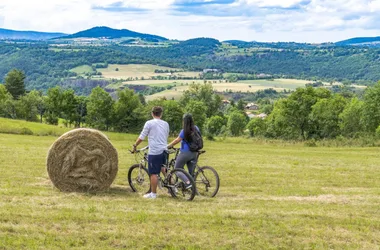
x,y
139,181
206,178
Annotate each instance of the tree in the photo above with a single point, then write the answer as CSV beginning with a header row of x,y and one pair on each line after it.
x,y
29,105
99,109
371,108
53,102
290,117
11,108
240,105
124,116
256,127
5,97
236,123
350,119
41,106
203,93
69,107
81,110
267,108
173,114
142,99
325,116
198,110
214,125
14,83
277,124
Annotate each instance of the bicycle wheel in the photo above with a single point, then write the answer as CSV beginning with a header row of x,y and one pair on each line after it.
x,y
138,178
207,181
177,185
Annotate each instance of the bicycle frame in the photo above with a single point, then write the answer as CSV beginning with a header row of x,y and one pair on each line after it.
x,y
141,157
178,182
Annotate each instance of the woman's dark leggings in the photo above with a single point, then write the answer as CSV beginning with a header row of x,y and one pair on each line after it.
x,y
188,158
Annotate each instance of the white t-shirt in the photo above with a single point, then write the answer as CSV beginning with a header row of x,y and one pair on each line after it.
x,y
157,131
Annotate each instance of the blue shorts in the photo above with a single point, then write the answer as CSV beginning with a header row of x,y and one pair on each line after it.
x,y
155,162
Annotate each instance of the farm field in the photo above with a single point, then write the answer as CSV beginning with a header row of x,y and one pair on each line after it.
x,y
156,83
277,83
126,71
243,86
273,195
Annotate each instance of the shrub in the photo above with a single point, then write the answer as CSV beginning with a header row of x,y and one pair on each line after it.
x,y
26,131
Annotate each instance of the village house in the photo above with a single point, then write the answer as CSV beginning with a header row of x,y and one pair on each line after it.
x,y
209,70
262,115
225,102
251,116
262,75
252,106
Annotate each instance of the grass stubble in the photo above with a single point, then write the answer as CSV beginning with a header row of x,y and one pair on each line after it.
x,y
271,196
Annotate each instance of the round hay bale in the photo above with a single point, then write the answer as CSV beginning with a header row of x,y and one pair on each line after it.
x,y
82,160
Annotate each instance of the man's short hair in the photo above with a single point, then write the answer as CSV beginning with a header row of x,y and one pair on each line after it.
x,y
157,111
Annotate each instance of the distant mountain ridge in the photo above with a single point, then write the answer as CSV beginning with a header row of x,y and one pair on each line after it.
x,y
102,31
28,35
107,32
360,41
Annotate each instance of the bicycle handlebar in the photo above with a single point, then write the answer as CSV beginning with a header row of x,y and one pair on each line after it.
x,y
139,150
174,150
177,149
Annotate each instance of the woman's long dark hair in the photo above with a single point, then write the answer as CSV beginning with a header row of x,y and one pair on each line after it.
x,y
188,126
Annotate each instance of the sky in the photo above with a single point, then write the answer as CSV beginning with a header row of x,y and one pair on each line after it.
x,y
311,21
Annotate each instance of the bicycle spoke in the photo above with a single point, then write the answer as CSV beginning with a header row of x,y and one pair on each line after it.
x,y
138,179
179,189
207,181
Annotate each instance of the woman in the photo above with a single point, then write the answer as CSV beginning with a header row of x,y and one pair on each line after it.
x,y
186,156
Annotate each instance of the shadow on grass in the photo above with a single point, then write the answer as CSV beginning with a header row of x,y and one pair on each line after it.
x,y
115,191
118,191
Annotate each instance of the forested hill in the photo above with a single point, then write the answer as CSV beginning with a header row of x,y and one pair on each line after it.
x,y
47,65
27,35
107,32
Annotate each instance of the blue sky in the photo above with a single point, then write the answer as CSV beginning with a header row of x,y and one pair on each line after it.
x,y
249,20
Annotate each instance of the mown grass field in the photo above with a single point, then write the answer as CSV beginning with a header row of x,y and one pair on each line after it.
x,y
9,126
139,70
273,195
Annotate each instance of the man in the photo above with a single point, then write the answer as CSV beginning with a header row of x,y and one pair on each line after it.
x,y
157,131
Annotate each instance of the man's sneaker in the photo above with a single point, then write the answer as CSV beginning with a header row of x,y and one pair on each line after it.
x,y
188,186
150,196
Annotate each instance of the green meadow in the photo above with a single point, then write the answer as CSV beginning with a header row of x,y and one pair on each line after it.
x,y
273,195
81,70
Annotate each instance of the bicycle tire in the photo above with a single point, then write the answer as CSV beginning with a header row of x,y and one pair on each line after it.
x,y
139,181
207,181
177,187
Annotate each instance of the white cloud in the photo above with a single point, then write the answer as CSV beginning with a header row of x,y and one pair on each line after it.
x,y
261,20
272,3
144,4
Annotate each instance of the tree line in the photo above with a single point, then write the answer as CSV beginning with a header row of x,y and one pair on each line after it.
x,y
307,113
127,112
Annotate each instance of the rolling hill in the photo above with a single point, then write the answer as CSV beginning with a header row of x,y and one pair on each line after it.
x,y
361,41
102,31
27,35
